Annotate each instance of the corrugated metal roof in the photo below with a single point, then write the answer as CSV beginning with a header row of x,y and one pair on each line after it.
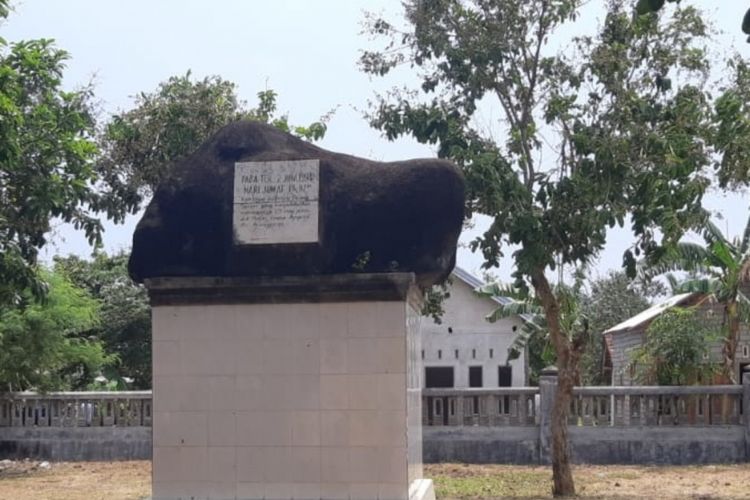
x,y
650,313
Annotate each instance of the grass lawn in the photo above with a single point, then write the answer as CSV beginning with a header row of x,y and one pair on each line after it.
x,y
132,481
460,481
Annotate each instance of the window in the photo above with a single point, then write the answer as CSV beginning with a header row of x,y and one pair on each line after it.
x,y
440,354
475,376
746,351
422,353
473,354
438,377
455,353
450,329
492,353
504,376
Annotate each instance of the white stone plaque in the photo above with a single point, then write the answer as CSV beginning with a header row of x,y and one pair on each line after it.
x,y
276,202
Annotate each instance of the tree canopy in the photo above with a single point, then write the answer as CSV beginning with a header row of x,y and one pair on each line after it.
x,y
674,349
124,312
617,126
47,345
47,153
609,301
167,124
643,7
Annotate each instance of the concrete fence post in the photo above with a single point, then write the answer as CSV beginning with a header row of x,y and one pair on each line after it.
x,y
547,391
746,408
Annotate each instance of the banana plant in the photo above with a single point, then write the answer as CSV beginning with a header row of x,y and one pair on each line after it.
x,y
534,334
527,308
719,269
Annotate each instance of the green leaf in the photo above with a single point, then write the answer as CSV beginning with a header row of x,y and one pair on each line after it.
x,y
511,310
699,285
644,7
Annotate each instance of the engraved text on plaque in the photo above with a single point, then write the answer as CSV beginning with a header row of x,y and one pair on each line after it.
x,y
276,202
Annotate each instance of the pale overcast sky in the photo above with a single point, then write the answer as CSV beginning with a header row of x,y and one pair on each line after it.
x,y
305,50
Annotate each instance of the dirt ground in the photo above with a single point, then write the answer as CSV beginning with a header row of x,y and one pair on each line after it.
x,y
132,481
75,480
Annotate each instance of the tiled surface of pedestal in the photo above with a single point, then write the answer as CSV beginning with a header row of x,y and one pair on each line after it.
x,y
293,400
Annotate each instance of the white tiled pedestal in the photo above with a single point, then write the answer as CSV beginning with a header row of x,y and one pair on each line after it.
x,y
314,397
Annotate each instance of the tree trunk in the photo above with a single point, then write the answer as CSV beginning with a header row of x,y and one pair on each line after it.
x,y
730,343
562,474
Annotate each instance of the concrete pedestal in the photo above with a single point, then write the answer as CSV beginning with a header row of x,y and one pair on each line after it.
x,y
281,388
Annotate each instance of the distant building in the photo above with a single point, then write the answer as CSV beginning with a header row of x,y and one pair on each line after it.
x,y
466,350
622,339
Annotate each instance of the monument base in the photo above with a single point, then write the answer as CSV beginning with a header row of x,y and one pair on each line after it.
x,y
280,388
422,489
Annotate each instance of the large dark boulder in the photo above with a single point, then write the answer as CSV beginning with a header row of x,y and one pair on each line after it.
x,y
374,217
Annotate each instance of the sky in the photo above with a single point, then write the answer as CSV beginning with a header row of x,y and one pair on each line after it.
x,y
304,50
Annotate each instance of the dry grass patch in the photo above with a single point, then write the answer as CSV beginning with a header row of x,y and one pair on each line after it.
x,y
460,481
76,481
132,481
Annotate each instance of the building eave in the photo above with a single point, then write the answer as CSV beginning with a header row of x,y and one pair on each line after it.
x,y
639,320
476,283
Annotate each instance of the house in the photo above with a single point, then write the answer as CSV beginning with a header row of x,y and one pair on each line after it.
x,y
622,339
466,350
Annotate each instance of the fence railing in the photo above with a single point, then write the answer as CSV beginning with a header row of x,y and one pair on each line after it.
x,y
590,407
76,409
505,406
486,407
657,406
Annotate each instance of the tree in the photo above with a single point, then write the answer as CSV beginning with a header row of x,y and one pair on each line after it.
x,y
611,300
673,350
46,160
125,326
170,123
591,134
45,345
721,270
604,303
647,6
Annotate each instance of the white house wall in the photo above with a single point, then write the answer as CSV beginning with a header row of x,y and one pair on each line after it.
x,y
465,315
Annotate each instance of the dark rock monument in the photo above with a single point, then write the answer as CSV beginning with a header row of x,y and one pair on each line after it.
x,y
334,213
286,283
